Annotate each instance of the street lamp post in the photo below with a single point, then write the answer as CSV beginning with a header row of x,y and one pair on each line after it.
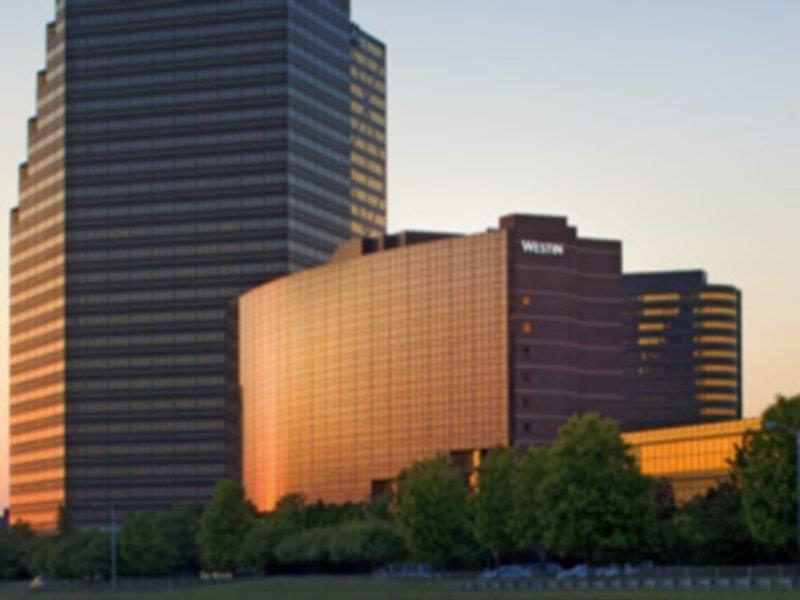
x,y
796,434
113,515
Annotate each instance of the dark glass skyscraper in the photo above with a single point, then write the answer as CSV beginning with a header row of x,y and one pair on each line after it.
x,y
683,360
182,152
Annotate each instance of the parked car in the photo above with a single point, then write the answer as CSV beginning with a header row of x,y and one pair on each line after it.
x,y
406,571
508,572
545,568
610,571
580,571
630,570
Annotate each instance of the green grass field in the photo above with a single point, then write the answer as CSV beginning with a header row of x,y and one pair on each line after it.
x,y
353,588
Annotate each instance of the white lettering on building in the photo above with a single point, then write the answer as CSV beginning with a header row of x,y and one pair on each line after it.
x,y
546,248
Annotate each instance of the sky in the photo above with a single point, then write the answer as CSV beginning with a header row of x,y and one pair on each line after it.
x,y
673,126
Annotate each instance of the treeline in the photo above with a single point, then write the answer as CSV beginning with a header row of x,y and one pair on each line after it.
x,y
582,499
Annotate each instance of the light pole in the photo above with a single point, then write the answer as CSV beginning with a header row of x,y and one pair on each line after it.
x,y
112,512
773,425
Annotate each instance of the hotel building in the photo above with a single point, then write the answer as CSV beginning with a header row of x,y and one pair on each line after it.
x,y
181,153
682,355
409,345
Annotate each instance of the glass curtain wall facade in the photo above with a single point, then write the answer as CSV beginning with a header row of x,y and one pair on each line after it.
x,y
367,134
38,385
411,345
683,360
693,458
351,371
202,148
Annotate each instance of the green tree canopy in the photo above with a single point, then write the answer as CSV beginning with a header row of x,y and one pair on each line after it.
x,y
146,547
713,528
257,553
596,503
493,504
367,543
15,543
526,520
77,555
223,526
432,504
765,470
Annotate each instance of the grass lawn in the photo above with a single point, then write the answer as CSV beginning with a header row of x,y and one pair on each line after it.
x,y
341,588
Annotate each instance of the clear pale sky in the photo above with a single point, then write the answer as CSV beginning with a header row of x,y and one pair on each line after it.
x,y
674,126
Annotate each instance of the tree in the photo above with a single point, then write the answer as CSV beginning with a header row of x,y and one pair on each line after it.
x,y
367,543
380,506
291,510
14,546
664,494
765,471
493,504
146,545
713,528
257,553
223,526
526,519
596,503
432,506
307,548
78,555
181,526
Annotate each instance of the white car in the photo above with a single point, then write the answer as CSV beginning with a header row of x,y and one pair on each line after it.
x,y
508,572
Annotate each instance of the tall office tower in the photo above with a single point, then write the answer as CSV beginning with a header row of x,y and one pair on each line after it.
x,y
368,134
182,152
683,360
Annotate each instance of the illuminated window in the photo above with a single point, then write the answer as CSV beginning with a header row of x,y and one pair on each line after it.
x,y
715,354
717,383
717,368
718,412
652,326
730,325
526,301
724,296
711,397
652,341
671,297
714,339
660,312
527,327
716,310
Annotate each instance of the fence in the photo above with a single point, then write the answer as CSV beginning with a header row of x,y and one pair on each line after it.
x,y
772,577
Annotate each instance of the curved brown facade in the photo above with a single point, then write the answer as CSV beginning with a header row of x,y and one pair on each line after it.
x,y
412,345
351,371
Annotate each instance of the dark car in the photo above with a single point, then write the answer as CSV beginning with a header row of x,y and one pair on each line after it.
x,y
406,571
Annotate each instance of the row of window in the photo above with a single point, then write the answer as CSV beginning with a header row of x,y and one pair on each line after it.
x,y
172,11
218,74
182,251
181,185
161,57
214,117
191,228
175,206
91,107
169,273
185,31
